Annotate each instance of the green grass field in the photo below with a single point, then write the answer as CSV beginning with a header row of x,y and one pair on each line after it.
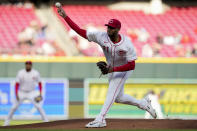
x,y
18,122
87,129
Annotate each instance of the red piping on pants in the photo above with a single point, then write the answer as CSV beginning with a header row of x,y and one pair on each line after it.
x,y
114,95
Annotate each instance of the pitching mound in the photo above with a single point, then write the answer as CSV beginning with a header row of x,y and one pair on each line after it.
x,y
114,124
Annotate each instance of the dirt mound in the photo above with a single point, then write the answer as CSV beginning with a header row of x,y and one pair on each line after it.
x,y
115,124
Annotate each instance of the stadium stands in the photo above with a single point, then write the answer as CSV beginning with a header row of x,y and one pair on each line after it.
x,y
13,20
177,26
172,34
22,33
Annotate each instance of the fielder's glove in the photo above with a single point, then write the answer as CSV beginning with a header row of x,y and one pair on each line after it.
x,y
38,99
103,67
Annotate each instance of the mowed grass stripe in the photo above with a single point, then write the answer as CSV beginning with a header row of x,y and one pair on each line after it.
x,y
97,130
20,122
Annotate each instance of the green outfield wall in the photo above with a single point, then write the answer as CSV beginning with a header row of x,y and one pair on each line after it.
x,y
89,70
85,67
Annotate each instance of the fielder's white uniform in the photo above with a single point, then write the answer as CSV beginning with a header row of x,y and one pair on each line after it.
x,y
27,84
116,55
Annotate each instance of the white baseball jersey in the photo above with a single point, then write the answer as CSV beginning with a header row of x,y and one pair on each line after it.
x,y
28,80
116,54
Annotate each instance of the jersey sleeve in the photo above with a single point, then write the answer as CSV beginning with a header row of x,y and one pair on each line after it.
x,y
18,77
95,36
131,55
38,77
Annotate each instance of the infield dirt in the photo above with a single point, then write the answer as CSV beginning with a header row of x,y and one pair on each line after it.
x,y
114,124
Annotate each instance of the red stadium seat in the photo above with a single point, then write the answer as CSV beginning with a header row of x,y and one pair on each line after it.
x,y
12,20
175,20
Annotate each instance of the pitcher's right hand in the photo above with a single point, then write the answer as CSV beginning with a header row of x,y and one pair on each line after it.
x,y
61,11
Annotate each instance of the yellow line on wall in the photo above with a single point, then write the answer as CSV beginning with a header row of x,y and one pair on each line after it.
x,y
167,60
51,59
91,59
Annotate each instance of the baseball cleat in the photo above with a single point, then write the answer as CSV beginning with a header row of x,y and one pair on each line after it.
x,y
96,124
7,123
149,108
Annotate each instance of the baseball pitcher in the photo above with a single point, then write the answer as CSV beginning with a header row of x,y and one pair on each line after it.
x,y
26,82
120,55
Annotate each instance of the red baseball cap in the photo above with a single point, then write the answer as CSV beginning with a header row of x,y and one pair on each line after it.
x,y
114,23
28,62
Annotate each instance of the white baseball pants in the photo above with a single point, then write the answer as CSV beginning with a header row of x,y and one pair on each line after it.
x,y
116,93
26,96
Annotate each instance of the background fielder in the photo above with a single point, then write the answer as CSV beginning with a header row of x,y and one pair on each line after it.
x,y
120,55
155,104
26,82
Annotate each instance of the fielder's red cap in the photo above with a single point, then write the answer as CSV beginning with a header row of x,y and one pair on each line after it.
x,y
28,62
114,23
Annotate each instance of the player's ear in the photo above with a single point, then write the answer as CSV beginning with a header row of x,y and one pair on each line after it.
x,y
117,29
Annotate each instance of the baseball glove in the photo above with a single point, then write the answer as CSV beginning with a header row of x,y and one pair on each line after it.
x,y
103,67
38,99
